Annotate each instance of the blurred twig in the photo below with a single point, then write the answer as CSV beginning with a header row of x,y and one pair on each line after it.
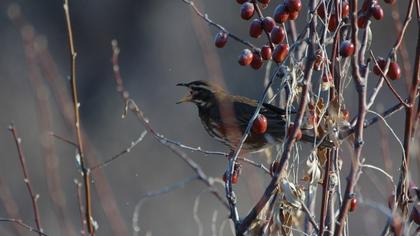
x,y
34,197
24,225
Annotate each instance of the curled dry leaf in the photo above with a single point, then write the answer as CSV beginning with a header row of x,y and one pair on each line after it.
x,y
313,171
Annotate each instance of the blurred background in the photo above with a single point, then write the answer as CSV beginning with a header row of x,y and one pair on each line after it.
x,y
162,43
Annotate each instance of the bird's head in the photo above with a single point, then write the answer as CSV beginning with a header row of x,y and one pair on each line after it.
x,y
202,93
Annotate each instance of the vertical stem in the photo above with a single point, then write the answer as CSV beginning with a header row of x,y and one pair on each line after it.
x,y
26,179
80,149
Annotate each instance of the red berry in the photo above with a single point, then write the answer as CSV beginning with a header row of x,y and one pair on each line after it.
x,y
241,1
293,5
321,11
268,24
377,12
274,167
266,52
293,15
247,10
365,6
298,135
394,71
255,29
280,53
221,39
264,1
333,22
362,21
245,58
257,61
234,178
260,124
345,9
382,64
346,48
281,14
278,34
353,204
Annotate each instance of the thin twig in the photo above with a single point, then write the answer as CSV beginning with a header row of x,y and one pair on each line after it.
x,y
206,18
24,225
34,197
127,150
80,147
66,140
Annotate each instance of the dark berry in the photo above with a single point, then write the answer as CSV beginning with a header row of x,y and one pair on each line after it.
x,y
268,24
246,57
257,61
346,48
255,29
362,21
382,63
281,14
264,1
321,11
394,71
377,12
278,34
280,53
241,1
247,10
333,22
221,39
266,52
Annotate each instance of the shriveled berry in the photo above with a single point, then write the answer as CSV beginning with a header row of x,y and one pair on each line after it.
x,y
293,5
293,15
377,12
260,124
382,63
241,1
246,57
278,34
281,14
394,71
346,48
268,24
264,1
353,204
345,9
255,29
321,11
362,21
266,52
280,53
333,22
221,39
257,61
247,10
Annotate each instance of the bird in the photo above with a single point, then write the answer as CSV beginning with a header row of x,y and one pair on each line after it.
x,y
225,117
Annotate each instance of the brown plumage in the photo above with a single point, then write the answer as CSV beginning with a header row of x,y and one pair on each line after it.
x,y
225,117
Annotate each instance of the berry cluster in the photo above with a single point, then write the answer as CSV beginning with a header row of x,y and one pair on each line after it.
x,y
370,8
333,19
394,71
235,175
275,49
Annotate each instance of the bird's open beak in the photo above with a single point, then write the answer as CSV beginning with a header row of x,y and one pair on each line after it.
x,y
187,98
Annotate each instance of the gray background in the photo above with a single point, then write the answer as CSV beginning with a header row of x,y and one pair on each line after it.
x,y
160,47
